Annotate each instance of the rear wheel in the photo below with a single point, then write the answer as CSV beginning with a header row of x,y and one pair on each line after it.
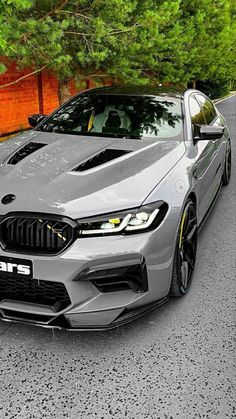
x,y
185,252
227,169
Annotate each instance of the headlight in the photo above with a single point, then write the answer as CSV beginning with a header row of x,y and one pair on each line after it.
x,y
130,221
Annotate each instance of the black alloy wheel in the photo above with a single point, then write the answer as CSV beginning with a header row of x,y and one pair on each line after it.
x,y
228,162
185,253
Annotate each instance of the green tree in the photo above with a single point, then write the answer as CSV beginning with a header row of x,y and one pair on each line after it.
x,y
213,41
132,41
93,39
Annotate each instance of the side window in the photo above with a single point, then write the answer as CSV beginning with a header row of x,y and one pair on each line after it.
x,y
208,109
197,115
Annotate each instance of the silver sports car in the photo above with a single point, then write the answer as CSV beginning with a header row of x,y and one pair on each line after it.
x,y
101,204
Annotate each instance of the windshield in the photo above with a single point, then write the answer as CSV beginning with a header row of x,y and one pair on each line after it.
x,y
117,116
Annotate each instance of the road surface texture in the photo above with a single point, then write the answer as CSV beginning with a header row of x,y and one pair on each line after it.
x,y
176,362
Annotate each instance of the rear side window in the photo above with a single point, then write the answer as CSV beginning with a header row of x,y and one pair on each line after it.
x,y
207,108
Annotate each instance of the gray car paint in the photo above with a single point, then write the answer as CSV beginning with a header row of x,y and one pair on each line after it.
x,y
50,185
155,170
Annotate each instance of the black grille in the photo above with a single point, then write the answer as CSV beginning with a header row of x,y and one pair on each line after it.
x,y
24,152
103,157
47,293
35,235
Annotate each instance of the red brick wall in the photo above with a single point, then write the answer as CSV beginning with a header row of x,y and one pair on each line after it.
x,y
16,100
20,100
50,97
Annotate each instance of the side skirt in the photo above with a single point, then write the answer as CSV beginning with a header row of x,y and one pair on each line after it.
x,y
210,208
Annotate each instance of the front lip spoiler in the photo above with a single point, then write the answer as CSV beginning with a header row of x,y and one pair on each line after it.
x,y
123,319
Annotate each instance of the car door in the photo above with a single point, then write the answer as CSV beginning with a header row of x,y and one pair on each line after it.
x,y
212,118
206,170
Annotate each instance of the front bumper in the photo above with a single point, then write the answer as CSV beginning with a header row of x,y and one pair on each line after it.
x,y
89,306
61,323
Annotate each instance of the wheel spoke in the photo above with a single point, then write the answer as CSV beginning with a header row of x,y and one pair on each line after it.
x,y
190,261
191,234
184,274
187,222
188,248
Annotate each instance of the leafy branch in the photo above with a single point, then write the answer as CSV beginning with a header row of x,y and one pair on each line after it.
x,y
23,77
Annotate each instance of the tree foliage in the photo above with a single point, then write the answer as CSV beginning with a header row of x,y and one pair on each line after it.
x,y
133,41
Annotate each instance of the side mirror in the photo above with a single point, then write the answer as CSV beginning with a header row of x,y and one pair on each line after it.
x,y
210,132
35,119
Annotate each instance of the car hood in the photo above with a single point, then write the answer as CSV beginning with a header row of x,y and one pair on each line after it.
x,y
45,180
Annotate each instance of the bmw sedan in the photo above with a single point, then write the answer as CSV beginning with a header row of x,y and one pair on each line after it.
x,y
101,205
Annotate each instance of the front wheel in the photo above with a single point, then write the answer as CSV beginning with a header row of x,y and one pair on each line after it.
x,y
227,168
185,252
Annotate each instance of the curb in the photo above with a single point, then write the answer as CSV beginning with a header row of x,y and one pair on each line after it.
x,y
216,101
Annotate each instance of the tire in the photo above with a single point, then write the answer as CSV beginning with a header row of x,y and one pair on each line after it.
x,y
227,168
185,251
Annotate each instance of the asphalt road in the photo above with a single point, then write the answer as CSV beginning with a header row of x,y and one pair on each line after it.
x,y
177,362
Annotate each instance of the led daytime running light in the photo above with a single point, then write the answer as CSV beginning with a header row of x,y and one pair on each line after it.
x,y
144,220
146,224
108,230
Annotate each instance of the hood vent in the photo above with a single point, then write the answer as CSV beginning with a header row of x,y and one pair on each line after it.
x,y
103,157
25,152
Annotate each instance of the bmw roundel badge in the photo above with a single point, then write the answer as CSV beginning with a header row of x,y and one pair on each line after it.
x,y
7,199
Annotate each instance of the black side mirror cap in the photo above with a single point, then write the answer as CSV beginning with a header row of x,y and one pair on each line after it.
x,y
35,119
210,132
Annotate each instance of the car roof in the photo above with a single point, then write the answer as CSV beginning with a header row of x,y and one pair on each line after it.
x,y
139,91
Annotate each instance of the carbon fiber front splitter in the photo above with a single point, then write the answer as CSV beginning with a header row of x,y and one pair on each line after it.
x,y
61,323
